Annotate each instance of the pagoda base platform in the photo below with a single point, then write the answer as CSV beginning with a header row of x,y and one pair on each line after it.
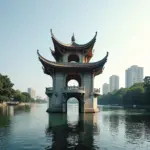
x,y
54,110
91,110
86,110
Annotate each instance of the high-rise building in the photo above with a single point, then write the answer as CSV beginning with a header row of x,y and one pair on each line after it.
x,y
106,88
31,92
134,74
114,82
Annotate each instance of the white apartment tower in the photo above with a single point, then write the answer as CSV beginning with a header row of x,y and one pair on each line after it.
x,y
31,92
114,82
106,88
134,74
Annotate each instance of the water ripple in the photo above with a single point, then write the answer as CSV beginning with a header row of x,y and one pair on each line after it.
x,y
34,129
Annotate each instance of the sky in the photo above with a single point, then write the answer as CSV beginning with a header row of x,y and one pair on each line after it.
x,y
123,28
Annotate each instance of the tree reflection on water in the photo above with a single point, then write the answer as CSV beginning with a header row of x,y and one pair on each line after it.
x,y
7,112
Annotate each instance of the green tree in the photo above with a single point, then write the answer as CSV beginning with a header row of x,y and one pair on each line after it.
x,y
147,89
18,96
27,96
147,83
126,96
134,95
5,86
3,99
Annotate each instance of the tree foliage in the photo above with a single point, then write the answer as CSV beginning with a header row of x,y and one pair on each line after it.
x,y
3,99
18,96
7,92
147,89
138,94
5,86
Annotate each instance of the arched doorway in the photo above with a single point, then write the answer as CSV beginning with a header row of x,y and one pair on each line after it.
x,y
73,80
73,98
72,109
73,58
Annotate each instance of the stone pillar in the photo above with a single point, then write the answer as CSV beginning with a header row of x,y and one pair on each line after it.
x,y
81,104
64,101
56,103
90,105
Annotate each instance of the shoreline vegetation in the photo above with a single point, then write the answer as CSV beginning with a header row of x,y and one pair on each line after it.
x,y
136,96
4,104
8,94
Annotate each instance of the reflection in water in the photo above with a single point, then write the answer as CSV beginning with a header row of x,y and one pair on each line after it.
x,y
7,112
133,127
126,129
72,135
6,118
146,121
111,129
137,131
114,123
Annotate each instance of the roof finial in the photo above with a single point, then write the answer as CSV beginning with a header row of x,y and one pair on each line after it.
x,y
51,32
73,38
95,33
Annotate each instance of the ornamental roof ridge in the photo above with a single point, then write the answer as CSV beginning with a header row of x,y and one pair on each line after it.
x,y
73,44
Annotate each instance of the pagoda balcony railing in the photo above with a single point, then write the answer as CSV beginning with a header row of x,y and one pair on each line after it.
x,y
67,89
96,91
74,89
49,90
70,89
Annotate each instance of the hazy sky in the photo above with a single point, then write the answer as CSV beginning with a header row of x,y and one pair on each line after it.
x,y
123,28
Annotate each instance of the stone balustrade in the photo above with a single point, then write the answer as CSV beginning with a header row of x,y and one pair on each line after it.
x,y
73,88
49,90
67,88
96,90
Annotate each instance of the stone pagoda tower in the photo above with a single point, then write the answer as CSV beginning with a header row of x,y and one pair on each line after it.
x,y
72,62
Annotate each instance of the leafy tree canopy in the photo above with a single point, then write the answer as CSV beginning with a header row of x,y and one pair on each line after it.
x,y
5,86
134,95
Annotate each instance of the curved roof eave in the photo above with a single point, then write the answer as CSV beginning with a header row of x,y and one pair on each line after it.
x,y
52,64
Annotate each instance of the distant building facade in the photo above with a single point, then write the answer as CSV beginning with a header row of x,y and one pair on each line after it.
x,y
134,74
32,93
114,82
106,88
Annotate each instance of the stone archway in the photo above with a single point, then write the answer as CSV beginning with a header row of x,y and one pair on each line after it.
x,y
73,58
72,105
79,97
75,80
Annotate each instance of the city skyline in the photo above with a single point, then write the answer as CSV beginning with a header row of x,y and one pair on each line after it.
x,y
114,82
137,75
32,92
133,74
123,31
105,88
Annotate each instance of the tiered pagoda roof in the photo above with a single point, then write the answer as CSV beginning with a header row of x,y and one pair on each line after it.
x,y
61,48
86,49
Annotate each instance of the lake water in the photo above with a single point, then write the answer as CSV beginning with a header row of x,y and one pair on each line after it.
x,y
31,128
